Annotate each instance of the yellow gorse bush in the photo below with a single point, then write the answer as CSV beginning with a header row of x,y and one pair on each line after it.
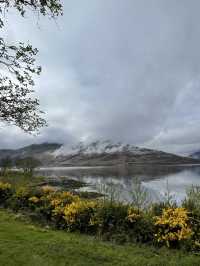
x,y
34,199
22,192
68,211
173,225
56,202
5,190
60,200
197,244
75,209
48,189
67,197
133,215
5,186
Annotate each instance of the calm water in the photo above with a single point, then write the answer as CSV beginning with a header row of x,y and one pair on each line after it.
x,y
156,179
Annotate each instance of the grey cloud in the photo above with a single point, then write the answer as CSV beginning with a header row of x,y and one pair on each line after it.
x,y
123,70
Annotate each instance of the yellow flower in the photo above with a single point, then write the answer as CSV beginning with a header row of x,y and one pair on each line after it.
x,y
173,225
5,186
48,189
22,192
34,199
56,202
133,215
197,244
72,211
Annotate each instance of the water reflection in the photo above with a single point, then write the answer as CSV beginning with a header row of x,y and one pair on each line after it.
x,y
177,183
153,177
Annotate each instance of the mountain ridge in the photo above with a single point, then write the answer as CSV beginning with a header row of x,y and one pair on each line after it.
x,y
97,153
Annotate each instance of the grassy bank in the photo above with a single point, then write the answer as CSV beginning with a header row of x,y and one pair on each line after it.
x,y
18,179
22,243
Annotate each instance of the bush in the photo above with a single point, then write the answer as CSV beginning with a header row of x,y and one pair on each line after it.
x,y
20,199
109,219
78,215
163,224
140,226
47,189
58,202
172,227
192,204
5,192
157,208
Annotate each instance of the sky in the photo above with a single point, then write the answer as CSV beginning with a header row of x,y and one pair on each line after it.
x,y
126,71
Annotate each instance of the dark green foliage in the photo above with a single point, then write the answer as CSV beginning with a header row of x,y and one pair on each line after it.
x,y
18,106
19,199
110,218
5,193
192,204
142,230
51,8
157,208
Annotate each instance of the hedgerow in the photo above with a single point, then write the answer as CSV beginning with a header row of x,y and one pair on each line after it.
x,y
161,224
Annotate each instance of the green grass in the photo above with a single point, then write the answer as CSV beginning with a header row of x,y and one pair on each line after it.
x,y
22,243
18,179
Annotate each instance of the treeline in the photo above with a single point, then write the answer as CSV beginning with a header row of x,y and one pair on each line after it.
x,y
26,164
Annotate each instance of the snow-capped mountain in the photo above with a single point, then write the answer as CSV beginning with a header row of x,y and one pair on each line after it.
x,y
100,147
98,153
104,153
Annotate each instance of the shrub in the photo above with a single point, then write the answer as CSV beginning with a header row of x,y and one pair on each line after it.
x,y
34,199
47,189
5,192
109,218
163,223
140,225
20,199
34,202
172,227
192,200
78,215
192,204
157,208
58,202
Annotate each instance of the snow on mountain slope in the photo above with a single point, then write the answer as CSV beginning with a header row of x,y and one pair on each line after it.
x,y
100,147
98,153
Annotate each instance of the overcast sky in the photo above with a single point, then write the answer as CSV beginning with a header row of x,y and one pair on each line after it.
x,y
125,70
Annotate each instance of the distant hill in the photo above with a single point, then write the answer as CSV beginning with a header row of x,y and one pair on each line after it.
x,y
40,151
99,153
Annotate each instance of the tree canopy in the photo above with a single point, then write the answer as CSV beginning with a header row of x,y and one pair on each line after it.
x,y
18,68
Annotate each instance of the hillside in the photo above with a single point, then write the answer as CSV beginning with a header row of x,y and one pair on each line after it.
x,y
99,153
109,153
41,151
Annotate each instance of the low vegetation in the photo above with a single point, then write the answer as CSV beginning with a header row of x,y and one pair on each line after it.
x,y
161,224
23,243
